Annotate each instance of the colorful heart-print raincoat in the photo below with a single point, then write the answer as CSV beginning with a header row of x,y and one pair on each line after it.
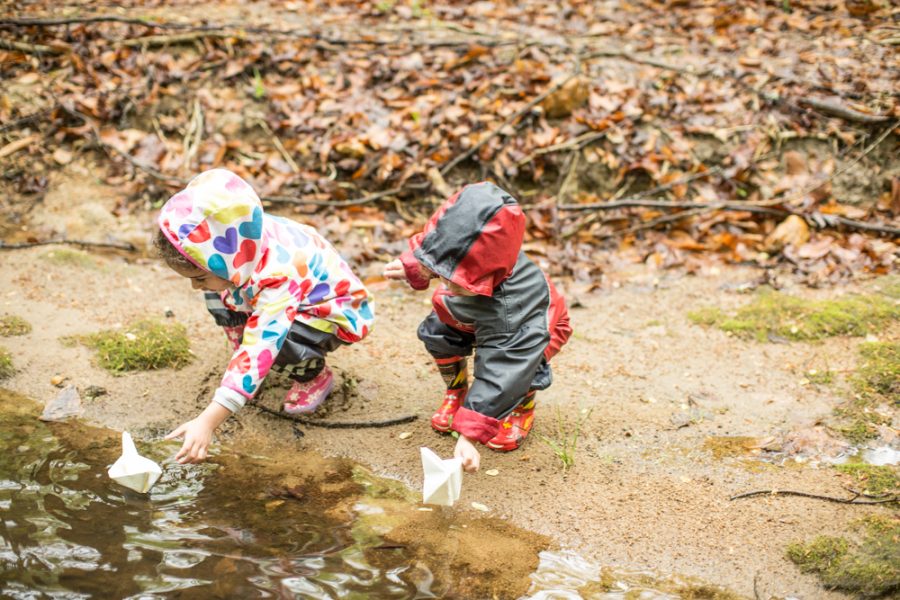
x,y
281,271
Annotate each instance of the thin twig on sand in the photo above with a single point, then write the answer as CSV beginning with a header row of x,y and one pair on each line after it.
x,y
85,244
852,500
334,424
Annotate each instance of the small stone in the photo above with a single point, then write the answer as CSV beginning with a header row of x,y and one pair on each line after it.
x,y
57,380
492,472
65,406
480,506
94,391
169,313
405,435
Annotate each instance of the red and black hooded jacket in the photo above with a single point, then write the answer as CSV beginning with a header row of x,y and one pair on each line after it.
x,y
518,318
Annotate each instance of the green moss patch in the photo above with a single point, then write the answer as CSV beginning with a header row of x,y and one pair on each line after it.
x,y
70,258
876,383
144,346
731,446
774,314
867,564
11,325
6,366
878,375
873,480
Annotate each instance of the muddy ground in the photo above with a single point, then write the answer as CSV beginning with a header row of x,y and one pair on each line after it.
x,y
645,492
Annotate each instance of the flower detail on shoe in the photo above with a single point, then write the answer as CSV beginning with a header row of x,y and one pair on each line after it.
x,y
443,418
306,397
514,427
235,335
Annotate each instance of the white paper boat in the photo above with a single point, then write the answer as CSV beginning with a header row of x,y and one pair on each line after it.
x,y
133,470
443,479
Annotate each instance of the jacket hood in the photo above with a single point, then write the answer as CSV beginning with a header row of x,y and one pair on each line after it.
x,y
473,239
216,222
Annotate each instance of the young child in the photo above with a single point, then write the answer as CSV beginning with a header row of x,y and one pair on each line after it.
x,y
492,299
282,293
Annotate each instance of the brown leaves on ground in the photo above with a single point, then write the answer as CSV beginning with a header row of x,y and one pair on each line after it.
x,y
778,105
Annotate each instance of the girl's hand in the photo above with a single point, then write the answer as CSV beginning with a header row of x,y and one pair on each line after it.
x,y
197,433
196,436
467,451
394,270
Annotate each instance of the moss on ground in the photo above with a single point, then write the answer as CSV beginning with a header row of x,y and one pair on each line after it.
x,y
875,383
6,366
784,316
12,325
867,564
873,480
70,258
144,346
730,446
816,377
879,372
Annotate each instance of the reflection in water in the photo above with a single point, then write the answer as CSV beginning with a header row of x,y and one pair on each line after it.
x,y
68,531
227,530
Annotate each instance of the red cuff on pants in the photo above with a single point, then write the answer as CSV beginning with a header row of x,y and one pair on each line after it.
x,y
475,425
417,279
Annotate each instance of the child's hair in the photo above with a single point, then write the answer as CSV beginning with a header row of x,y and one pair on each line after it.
x,y
169,253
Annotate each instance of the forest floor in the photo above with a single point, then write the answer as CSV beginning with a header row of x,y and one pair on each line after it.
x,y
670,157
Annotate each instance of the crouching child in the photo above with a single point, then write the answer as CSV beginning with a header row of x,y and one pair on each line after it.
x,y
492,300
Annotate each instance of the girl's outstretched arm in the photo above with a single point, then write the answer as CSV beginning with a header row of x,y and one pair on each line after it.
x,y
197,433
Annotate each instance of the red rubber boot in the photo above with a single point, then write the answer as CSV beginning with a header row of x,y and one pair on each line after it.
x,y
515,426
453,370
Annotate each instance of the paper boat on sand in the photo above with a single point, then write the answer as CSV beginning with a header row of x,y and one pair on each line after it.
x,y
133,470
443,479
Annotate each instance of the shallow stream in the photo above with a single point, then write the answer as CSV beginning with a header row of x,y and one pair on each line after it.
x,y
241,527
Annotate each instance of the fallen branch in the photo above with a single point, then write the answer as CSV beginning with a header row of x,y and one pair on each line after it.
x,y
151,41
836,109
484,140
29,118
20,245
343,203
852,500
29,22
334,424
819,221
645,60
644,194
658,221
833,220
13,147
235,29
27,48
574,144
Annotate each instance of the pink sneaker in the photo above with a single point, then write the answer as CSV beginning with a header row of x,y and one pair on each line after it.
x,y
304,398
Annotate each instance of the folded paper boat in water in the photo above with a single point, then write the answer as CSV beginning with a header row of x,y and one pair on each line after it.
x,y
443,479
133,470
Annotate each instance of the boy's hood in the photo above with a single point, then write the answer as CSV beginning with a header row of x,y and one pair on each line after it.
x,y
216,222
474,238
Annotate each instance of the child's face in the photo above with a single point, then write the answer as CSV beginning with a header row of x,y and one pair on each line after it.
x,y
203,280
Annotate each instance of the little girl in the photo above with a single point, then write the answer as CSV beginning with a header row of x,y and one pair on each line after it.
x,y
282,293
